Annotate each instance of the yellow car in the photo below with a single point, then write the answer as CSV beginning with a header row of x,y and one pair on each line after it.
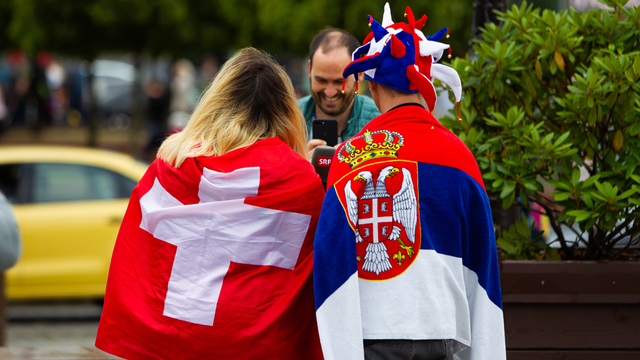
x,y
69,203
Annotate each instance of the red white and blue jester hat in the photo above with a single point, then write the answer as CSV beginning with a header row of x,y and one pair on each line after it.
x,y
400,57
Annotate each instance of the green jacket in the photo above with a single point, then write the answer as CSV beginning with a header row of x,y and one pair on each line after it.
x,y
363,110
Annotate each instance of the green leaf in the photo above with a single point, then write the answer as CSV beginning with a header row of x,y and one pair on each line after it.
x,y
506,203
507,189
560,185
600,188
593,115
498,85
506,246
561,196
626,194
611,100
524,198
630,170
559,60
522,227
562,138
491,176
580,215
531,185
551,254
575,176
547,138
575,89
636,65
590,181
538,68
587,200
618,140
593,141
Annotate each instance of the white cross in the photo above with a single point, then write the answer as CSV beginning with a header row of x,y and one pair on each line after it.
x,y
215,232
375,219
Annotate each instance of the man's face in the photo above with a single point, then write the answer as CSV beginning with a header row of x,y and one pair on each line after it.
x,y
326,81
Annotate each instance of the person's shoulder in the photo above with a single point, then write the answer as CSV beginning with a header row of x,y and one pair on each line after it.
x,y
304,100
366,101
368,108
306,104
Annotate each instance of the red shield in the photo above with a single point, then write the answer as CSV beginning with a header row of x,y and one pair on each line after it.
x,y
375,219
375,216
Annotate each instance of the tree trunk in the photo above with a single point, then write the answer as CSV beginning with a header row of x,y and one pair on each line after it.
x,y
483,13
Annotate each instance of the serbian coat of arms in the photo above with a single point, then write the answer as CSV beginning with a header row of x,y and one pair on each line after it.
x,y
379,197
382,207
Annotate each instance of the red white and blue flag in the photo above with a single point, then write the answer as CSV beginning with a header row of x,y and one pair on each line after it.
x,y
405,247
214,260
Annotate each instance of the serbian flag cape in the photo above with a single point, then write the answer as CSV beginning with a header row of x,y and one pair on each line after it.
x,y
405,247
214,259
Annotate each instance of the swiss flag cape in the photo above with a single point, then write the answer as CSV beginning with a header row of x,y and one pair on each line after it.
x,y
214,259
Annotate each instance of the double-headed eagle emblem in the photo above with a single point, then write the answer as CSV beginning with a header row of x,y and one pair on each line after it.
x,y
379,216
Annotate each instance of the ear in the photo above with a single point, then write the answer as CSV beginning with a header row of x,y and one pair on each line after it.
x,y
360,76
309,68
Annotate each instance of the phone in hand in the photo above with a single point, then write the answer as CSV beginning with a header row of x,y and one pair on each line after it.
x,y
326,129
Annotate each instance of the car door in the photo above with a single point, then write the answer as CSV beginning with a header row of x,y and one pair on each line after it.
x,y
69,222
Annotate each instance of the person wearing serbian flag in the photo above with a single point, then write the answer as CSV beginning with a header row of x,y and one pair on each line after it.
x,y
214,256
405,261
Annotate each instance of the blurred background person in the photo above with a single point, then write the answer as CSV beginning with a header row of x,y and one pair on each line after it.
x,y
56,76
208,69
4,113
184,94
158,98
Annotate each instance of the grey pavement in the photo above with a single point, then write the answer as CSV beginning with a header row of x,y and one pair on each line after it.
x,y
52,330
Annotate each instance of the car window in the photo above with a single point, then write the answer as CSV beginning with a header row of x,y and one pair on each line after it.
x,y
70,182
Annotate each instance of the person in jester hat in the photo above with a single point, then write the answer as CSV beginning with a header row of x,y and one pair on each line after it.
x,y
405,262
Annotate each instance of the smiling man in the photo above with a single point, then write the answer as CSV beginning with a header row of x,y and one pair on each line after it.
x,y
329,53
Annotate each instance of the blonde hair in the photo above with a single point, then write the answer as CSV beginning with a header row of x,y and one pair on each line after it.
x,y
251,98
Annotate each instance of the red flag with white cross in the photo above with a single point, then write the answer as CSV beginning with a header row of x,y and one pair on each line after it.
x,y
214,259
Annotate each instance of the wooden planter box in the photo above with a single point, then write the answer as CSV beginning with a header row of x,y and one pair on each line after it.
x,y
571,310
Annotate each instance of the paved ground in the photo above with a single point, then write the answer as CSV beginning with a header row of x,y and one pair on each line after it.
x,y
52,330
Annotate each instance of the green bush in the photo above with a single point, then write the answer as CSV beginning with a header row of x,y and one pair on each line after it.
x,y
546,93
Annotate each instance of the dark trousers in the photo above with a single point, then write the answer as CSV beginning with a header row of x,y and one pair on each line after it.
x,y
408,349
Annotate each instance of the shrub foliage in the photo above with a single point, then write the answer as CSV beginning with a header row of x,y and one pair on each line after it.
x,y
547,94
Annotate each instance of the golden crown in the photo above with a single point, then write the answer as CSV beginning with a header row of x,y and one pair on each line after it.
x,y
369,146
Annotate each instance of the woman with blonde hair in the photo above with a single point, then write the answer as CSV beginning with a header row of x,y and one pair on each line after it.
x,y
214,255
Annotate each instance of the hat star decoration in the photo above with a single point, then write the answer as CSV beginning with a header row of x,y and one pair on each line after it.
x,y
400,57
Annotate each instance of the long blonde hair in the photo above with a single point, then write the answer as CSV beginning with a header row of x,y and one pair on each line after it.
x,y
250,98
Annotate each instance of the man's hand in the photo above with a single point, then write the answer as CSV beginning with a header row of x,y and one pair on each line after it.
x,y
314,143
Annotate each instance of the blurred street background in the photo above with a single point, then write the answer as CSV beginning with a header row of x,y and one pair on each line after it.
x,y
52,323
121,75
